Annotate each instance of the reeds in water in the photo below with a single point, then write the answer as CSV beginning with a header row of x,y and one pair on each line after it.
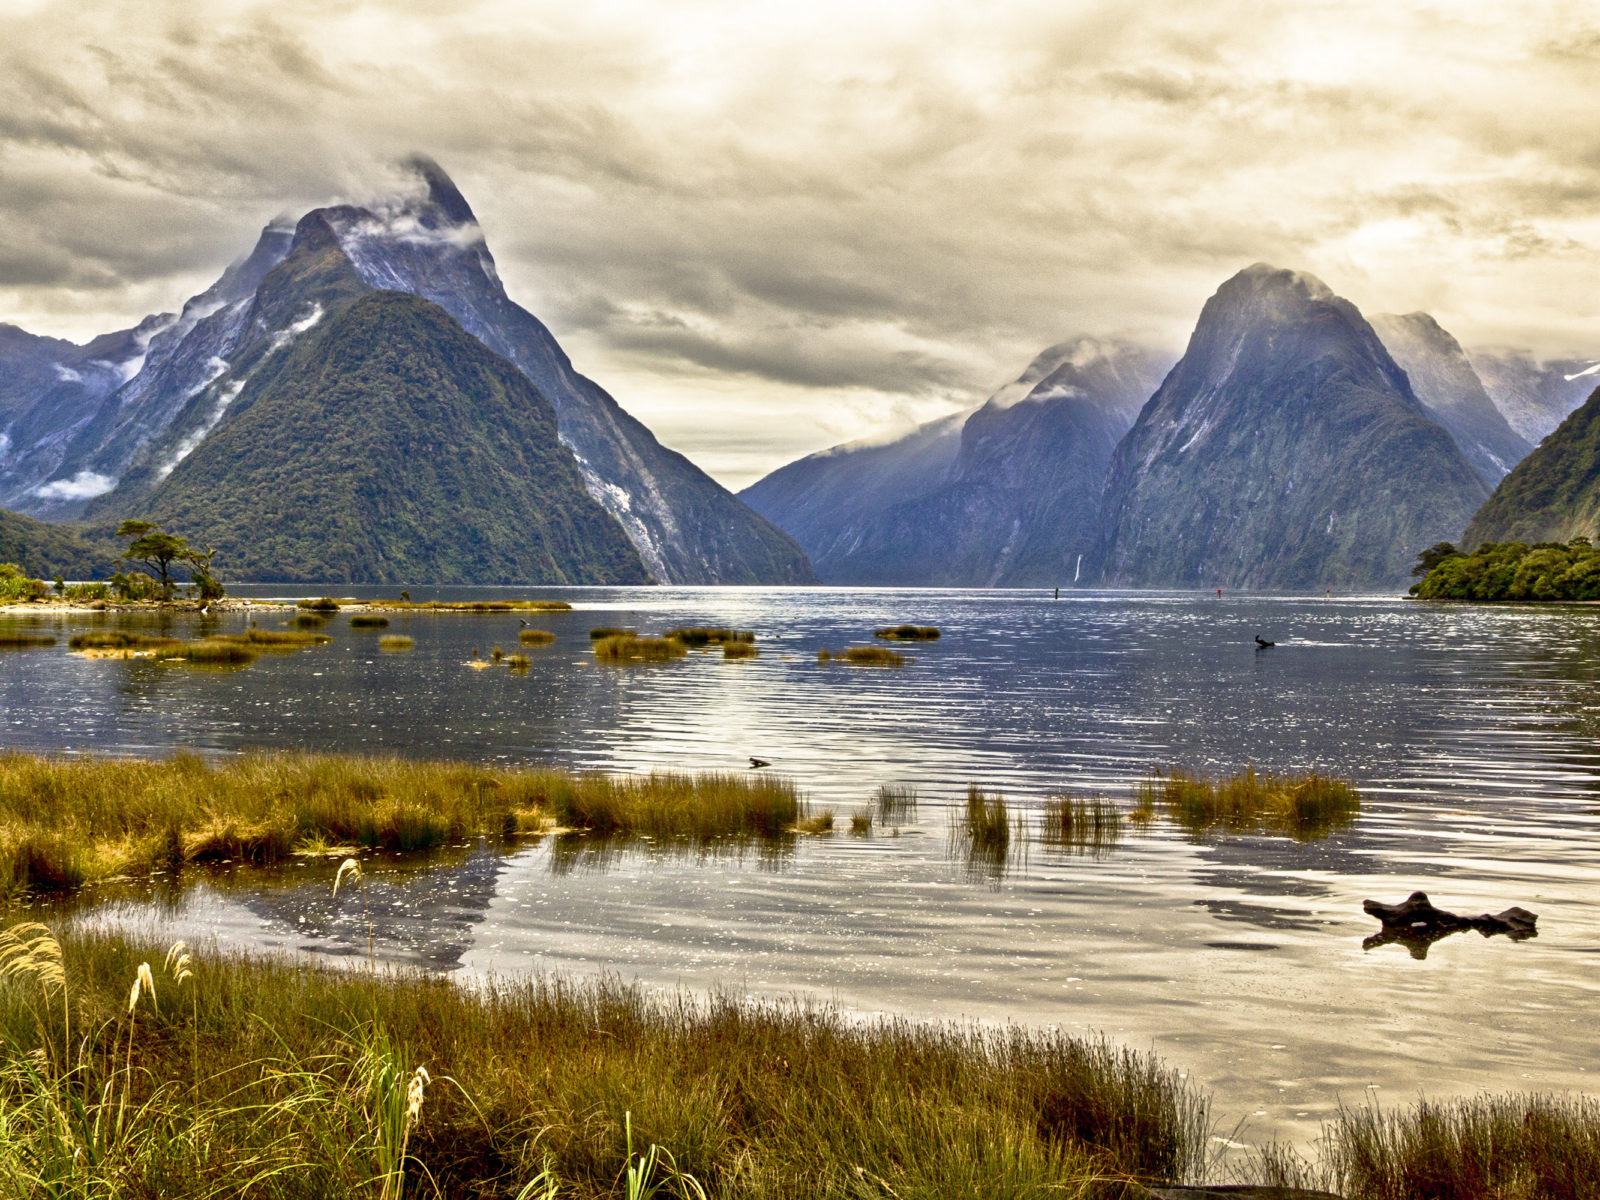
x,y
897,803
118,639
308,620
672,806
274,639
519,662
864,656
1305,806
861,822
536,637
215,652
1088,826
11,639
740,650
705,636
908,633
610,631
369,621
627,649
393,643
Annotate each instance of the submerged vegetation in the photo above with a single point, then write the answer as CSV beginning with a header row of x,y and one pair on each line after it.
x,y
66,822
1510,571
864,656
369,621
908,633
610,631
228,1076
1303,807
22,639
394,642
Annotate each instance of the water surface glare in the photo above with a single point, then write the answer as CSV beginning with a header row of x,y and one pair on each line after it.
x,y
1471,732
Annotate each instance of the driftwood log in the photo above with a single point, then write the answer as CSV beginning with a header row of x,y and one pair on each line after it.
x,y
1417,924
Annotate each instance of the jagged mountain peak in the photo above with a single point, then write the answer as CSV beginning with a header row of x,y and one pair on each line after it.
x,y
443,196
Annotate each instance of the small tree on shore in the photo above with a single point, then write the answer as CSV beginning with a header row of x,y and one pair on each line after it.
x,y
157,552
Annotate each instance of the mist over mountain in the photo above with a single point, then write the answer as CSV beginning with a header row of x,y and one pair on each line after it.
x,y
115,448
1286,451
1553,495
1007,495
1443,379
1535,394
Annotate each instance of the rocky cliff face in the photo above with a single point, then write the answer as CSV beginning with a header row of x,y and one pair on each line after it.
x,y
687,528
1553,495
1535,394
1286,451
1013,502
1443,379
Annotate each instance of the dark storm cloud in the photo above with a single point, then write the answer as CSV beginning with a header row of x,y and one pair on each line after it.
x,y
847,214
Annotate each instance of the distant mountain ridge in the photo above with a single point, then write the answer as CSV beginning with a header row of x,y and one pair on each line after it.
x,y
1553,495
1286,451
118,445
1006,495
1535,394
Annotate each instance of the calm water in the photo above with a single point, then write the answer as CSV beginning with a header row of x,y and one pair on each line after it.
x,y
1472,733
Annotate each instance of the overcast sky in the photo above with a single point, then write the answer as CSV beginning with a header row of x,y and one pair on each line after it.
x,y
770,227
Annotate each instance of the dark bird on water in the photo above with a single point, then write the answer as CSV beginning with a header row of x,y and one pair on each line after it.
x,y
1262,643
757,763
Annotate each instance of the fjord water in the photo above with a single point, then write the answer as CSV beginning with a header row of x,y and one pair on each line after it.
x,y
1471,732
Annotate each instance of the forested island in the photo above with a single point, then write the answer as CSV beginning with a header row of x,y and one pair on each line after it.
x,y
1510,571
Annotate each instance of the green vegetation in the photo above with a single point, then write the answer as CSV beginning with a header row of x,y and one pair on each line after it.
x,y
367,621
274,639
86,593
864,656
229,1076
519,662
215,652
64,822
740,650
536,637
861,822
323,604
386,444
479,606
120,639
156,553
1510,571
908,633
985,822
308,620
624,648
20,639
607,631
1304,807
1516,1147
38,548
700,636
393,642
17,588
1091,826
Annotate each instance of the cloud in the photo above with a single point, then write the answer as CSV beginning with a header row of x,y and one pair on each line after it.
x,y
850,212
81,486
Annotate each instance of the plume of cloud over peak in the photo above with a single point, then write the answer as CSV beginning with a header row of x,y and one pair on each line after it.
x,y
796,224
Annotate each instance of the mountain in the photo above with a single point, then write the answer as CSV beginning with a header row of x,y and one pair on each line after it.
x,y
1286,451
1443,379
45,551
1535,395
1004,496
383,444
426,242
1553,495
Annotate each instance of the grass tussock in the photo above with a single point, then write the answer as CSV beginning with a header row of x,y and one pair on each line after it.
x,y
817,822
11,639
118,639
274,639
478,606
1090,826
228,1076
609,631
65,822
369,621
628,649
740,650
908,633
536,637
519,662
864,656
215,652
697,636
896,803
1304,807
394,643
1508,1147
323,604
861,822
678,807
